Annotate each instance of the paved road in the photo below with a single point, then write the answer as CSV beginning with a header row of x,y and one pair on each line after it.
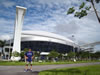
x,y
18,70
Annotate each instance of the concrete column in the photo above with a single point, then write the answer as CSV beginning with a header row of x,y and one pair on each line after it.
x,y
20,12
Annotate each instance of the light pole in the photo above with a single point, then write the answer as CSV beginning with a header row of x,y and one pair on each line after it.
x,y
74,48
9,48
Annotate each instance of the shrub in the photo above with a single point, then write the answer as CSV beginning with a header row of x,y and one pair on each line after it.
x,y
16,54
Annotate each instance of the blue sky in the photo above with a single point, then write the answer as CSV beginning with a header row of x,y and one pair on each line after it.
x,y
50,15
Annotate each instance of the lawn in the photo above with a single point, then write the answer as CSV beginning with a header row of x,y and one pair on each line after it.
x,y
86,70
8,63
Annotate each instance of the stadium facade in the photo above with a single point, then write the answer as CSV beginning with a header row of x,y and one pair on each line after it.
x,y
45,41
42,41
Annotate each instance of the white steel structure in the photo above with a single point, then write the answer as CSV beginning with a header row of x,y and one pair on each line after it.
x,y
45,36
20,12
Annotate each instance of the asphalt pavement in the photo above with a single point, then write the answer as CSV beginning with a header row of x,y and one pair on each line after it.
x,y
19,70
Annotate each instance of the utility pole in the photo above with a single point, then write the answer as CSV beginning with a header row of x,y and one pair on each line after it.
x,y
74,47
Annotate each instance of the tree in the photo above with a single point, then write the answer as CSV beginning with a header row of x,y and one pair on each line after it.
x,y
97,55
60,56
26,49
85,55
53,54
16,54
23,52
71,55
2,44
83,10
36,53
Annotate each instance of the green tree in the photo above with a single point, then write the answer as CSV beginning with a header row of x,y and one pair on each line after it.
x,y
84,55
97,55
80,55
60,56
23,52
71,54
53,54
26,49
16,54
83,10
2,44
36,53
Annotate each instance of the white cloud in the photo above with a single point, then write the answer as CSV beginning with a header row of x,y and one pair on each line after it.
x,y
6,24
6,29
97,48
50,15
67,25
8,4
5,37
89,29
68,2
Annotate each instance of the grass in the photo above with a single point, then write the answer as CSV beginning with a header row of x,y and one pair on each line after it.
x,y
8,63
86,70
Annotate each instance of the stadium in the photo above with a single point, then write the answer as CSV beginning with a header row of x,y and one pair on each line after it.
x,y
42,41
45,41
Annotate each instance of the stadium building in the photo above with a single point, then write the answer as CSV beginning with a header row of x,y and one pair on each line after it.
x,y
43,41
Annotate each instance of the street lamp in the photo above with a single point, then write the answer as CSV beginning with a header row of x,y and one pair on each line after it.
x,y
74,48
9,48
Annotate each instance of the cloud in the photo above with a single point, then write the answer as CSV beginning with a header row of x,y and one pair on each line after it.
x,y
5,37
6,29
50,15
59,2
59,21
68,27
8,4
89,29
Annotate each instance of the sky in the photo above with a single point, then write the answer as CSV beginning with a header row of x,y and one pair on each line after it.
x,y
51,16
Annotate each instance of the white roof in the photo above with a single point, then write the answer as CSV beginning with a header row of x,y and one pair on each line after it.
x,y
54,37
44,53
46,34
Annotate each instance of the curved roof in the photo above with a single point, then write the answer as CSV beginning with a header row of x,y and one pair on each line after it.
x,y
46,34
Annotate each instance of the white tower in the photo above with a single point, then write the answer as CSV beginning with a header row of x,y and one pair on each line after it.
x,y
20,12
